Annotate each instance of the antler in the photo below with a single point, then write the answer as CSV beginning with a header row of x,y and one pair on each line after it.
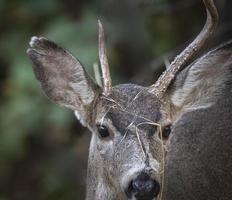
x,y
103,60
166,78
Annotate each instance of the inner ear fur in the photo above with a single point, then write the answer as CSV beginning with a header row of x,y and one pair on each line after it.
x,y
202,83
62,78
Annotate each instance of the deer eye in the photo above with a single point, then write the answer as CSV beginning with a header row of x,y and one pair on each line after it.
x,y
166,131
103,131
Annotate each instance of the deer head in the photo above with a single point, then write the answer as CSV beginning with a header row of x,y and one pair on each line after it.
x,y
131,125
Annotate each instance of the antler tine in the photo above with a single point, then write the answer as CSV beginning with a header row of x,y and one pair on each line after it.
x,y
166,78
103,60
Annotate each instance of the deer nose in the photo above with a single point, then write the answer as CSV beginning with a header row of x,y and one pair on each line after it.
x,y
143,187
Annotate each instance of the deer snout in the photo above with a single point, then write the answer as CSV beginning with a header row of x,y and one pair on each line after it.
x,y
143,187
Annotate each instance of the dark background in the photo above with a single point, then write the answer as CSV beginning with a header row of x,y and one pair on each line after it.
x,y
43,148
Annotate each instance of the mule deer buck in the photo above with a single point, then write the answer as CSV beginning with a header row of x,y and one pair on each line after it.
x,y
171,140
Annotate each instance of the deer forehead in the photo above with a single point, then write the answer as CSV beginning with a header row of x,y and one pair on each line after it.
x,y
129,103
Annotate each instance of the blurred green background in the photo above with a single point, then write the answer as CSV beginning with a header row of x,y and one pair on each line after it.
x,y
43,148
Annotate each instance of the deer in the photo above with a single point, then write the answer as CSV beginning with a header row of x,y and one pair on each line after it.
x,y
171,140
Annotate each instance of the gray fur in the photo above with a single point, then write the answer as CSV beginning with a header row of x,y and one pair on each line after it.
x,y
199,162
198,159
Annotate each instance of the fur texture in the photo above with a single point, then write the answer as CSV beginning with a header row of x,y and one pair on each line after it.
x,y
198,159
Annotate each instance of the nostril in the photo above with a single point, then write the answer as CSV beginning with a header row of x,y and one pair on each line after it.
x,y
143,187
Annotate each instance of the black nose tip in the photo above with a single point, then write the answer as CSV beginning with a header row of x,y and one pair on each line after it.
x,y
143,187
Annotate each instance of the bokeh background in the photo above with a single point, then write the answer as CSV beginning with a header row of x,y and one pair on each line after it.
x,y
43,148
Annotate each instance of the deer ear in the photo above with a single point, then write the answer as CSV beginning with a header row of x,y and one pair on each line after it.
x,y
62,77
199,85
